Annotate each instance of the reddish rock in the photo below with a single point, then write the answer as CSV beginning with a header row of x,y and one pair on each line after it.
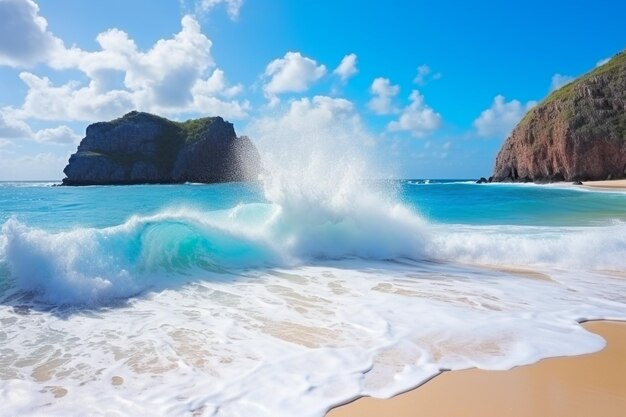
x,y
577,133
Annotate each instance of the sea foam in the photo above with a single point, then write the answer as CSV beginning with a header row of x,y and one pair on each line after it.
x,y
95,266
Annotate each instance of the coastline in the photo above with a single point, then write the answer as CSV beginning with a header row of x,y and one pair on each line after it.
x,y
576,386
609,184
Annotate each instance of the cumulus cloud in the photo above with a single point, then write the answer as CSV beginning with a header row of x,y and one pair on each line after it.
x,y
11,128
216,85
71,101
559,81
61,134
383,93
417,118
24,38
293,73
174,76
41,166
316,114
424,74
347,67
501,117
602,62
232,7
306,125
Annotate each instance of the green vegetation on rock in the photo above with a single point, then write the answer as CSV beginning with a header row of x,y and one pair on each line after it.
x,y
577,132
142,147
615,69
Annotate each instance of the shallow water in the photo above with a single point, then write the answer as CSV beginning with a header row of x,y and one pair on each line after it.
x,y
229,300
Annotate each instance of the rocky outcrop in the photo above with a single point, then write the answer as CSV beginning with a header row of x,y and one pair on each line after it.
x,y
577,133
144,148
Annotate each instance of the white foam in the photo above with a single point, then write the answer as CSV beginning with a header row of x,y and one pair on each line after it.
x,y
566,247
285,342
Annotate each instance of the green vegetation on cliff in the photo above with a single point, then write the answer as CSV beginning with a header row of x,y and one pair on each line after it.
x,y
577,132
568,95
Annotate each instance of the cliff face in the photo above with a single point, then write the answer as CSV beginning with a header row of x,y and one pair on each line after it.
x,y
577,133
144,148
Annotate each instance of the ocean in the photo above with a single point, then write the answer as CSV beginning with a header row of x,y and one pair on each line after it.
x,y
284,298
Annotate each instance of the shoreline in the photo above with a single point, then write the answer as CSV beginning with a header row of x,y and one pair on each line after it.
x,y
609,184
572,386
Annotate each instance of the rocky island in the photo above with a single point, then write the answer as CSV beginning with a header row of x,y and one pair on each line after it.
x,y
578,133
143,148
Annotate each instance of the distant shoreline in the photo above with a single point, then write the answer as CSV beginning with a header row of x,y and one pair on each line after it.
x,y
610,184
605,184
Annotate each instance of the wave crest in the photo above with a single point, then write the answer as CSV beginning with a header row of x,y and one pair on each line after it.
x,y
92,266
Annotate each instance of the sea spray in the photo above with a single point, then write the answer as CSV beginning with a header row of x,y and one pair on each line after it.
x,y
317,160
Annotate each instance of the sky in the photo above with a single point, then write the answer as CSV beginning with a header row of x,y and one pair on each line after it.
x,y
432,89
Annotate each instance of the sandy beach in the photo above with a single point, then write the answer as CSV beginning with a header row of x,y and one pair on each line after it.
x,y
581,386
612,184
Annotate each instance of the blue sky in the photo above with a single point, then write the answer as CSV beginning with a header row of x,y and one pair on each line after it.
x,y
432,88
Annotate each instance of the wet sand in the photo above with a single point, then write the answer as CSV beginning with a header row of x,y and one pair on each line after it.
x,y
612,184
580,386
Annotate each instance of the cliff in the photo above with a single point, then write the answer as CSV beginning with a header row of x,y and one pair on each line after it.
x,y
144,148
577,133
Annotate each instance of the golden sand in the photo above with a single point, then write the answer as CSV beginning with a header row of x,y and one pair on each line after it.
x,y
612,184
592,385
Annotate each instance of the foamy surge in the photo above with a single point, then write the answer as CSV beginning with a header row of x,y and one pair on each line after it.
x,y
291,341
328,291
96,266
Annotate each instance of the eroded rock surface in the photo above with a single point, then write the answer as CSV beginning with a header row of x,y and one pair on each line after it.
x,y
144,148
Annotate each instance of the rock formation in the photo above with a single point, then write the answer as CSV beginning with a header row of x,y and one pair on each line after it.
x,y
577,133
144,148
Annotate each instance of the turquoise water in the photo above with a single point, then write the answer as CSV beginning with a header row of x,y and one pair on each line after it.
x,y
285,298
514,204
448,202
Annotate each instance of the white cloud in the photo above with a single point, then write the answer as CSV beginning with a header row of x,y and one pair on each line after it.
x,y
61,134
383,93
559,81
318,113
292,73
11,128
5,143
501,117
347,67
602,62
163,75
417,118
216,85
24,38
315,123
169,78
232,6
424,74
71,101
42,166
